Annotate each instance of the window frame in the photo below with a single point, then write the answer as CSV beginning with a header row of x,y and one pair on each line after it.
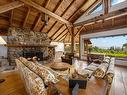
x,y
91,11
115,4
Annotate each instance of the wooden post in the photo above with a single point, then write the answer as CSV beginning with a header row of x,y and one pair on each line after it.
x,y
85,49
72,39
79,47
105,6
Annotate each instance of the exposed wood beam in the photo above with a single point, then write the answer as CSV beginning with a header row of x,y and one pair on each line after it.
x,y
79,30
104,17
41,30
113,22
81,8
72,40
37,21
68,7
69,36
57,6
69,30
78,9
105,6
66,10
108,26
27,15
60,34
57,30
11,17
126,19
46,11
10,6
45,6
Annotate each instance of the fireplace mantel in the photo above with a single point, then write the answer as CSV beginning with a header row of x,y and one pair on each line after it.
x,y
14,45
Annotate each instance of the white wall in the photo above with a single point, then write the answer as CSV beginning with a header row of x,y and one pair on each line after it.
x,y
3,49
59,46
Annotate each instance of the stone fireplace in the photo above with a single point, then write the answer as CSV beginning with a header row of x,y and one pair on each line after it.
x,y
20,40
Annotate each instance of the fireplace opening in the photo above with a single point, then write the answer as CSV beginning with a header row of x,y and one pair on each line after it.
x,y
32,53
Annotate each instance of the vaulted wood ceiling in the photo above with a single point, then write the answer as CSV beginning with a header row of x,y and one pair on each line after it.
x,y
28,14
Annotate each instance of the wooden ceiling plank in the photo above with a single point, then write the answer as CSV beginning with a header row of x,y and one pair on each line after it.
x,y
66,11
41,30
58,5
46,11
57,30
37,21
63,36
68,7
52,27
64,39
78,9
10,6
60,33
27,15
89,8
47,3
55,9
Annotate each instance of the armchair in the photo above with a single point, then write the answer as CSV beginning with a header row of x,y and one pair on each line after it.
x,y
68,58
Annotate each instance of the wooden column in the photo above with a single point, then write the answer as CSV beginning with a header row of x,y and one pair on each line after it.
x,y
72,39
79,46
105,6
86,49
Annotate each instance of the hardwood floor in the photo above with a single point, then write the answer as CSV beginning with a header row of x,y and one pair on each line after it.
x,y
14,86
119,85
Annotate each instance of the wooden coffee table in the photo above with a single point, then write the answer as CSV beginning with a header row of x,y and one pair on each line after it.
x,y
94,87
60,66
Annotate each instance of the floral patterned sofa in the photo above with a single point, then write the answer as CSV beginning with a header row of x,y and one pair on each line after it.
x,y
37,78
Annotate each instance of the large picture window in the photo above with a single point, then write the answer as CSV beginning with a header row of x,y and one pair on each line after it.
x,y
114,2
96,9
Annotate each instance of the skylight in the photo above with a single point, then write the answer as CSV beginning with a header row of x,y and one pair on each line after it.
x,y
114,2
96,9
2,41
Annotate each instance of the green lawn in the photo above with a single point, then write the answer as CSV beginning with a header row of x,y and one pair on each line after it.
x,y
112,54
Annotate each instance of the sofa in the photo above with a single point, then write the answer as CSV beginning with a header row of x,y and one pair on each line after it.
x,y
38,79
102,70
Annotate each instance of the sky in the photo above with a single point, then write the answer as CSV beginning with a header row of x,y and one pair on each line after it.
x,y
107,42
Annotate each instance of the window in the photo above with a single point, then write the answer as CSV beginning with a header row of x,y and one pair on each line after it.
x,y
2,41
114,2
96,9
